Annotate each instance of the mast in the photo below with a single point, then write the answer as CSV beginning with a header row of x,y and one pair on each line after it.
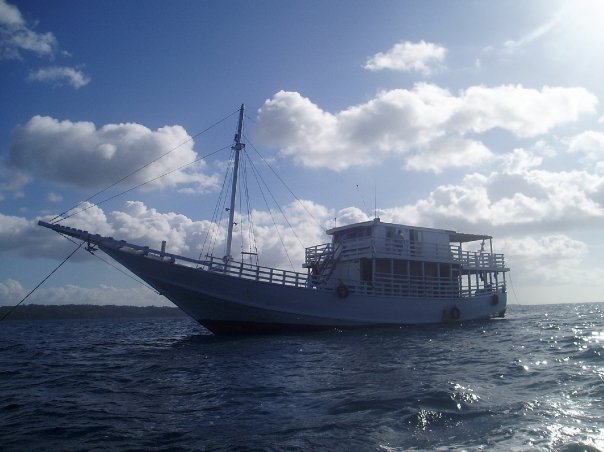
x,y
237,147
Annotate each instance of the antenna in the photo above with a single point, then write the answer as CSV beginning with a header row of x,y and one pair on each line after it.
x,y
374,200
375,214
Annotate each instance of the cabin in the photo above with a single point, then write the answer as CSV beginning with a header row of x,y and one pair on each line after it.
x,y
374,257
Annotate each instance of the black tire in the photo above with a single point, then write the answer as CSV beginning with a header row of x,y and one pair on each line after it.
x,y
495,300
342,291
455,313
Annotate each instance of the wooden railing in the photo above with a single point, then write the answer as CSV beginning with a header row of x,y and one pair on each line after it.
x,y
417,287
255,272
368,247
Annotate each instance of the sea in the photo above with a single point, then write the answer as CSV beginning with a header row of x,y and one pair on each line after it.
x,y
531,381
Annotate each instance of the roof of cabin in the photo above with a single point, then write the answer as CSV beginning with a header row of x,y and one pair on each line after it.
x,y
454,237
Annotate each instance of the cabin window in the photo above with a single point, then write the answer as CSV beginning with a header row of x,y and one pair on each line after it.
x,y
382,266
431,269
445,270
352,234
415,268
400,267
366,269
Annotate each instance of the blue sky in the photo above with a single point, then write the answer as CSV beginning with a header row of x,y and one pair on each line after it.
x,y
483,117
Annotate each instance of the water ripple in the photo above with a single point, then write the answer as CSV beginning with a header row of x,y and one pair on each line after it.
x,y
534,381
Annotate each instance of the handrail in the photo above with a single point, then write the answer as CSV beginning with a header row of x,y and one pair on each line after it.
x,y
417,287
369,247
256,272
423,287
232,268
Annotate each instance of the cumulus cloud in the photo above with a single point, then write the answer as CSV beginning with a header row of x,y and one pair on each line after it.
x,y
59,76
11,292
510,203
421,124
423,57
23,237
140,224
590,145
449,152
16,36
78,154
521,204
554,260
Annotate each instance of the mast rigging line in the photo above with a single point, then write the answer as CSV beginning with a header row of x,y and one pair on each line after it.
x,y
136,186
259,178
129,275
42,282
284,184
143,167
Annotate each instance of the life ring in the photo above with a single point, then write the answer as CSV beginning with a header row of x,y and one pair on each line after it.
x,y
495,300
342,291
455,313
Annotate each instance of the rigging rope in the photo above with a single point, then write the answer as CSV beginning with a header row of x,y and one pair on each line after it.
x,y
285,185
214,221
140,169
138,185
256,175
141,282
41,282
253,246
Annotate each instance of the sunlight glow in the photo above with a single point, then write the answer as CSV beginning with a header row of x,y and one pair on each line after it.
x,y
583,20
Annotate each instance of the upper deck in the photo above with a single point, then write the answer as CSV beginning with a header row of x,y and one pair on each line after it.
x,y
374,239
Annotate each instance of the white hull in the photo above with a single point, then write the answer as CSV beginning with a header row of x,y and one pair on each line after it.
x,y
227,304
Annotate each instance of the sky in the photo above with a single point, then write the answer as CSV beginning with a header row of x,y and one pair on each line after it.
x,y
481,117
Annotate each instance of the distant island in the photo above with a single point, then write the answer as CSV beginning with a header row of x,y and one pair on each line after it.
x,y
87,311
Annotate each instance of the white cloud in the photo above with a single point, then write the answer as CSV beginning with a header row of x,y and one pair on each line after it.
x,y
525,112
449,152
514,204
590,144
511,47
554,260
22,237
11,292
511,203
16,36
421,123
78,154
139,224
60,75
54,197
519,160
423,57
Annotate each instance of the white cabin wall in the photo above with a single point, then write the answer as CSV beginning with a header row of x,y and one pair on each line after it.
x,y
435,237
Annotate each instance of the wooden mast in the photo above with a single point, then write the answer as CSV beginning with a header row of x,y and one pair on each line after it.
x,y
238,146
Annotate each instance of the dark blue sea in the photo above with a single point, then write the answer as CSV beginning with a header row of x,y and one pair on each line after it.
x,y
532,381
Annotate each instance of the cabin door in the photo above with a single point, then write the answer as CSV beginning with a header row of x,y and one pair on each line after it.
x,y
366,269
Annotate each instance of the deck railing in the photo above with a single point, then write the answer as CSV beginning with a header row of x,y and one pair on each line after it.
x,y
418,287
413,286
394,248
256,272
